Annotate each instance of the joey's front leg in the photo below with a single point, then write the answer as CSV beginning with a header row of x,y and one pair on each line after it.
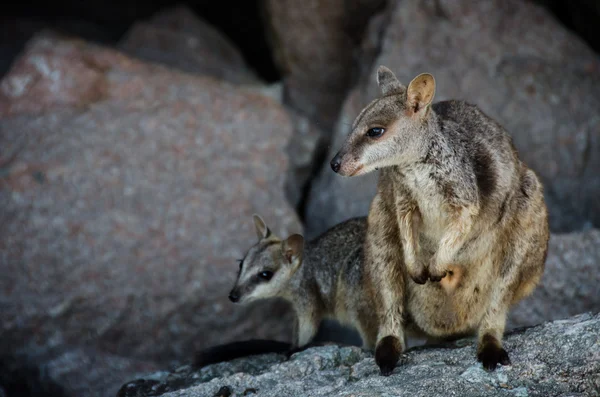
x,y
456,234
305,329
409,223
307,325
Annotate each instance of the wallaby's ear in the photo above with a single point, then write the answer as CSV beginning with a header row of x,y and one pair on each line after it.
x,y
387,81
262,231
420,93
293,248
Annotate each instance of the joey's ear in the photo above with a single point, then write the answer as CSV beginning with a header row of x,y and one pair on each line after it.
x,y
387,81
293,248
420,93
262,231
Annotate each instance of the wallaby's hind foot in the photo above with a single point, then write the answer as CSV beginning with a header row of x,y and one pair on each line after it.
x,y
387,354
490,353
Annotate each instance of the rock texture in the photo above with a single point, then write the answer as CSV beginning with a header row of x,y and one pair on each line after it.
x,y
314,45
555,359
177,38
127,192
525,70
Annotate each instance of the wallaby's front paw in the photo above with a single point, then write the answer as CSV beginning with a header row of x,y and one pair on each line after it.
x,y
437,276
436,272
387,354
419,276
491,354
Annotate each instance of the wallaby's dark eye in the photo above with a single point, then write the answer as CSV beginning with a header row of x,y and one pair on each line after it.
x,y
375,132
266,275
241,262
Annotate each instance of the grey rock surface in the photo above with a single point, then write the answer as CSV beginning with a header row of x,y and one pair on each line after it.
x,y
519,65
304,152
176,37
560,358
314,44
127,192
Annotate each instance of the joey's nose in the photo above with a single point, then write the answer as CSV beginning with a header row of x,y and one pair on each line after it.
x,y
233,296
336,163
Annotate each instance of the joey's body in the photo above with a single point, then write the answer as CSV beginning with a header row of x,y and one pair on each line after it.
x,y
324,279
452,194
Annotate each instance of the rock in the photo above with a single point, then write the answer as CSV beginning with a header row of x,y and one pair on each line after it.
x,y
124,213
570,282
332,198
57,372
104,372
305,152
525,70
582,17
559,358
314,46
177,38
65,76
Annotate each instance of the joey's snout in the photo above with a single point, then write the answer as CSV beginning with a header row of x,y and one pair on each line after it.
x,y
336,163
234,295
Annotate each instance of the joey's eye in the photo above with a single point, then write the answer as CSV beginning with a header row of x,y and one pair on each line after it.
x,y
375,132
266,275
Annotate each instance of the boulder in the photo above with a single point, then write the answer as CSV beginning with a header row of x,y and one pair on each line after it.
x,y
554,359
127,192
314,44
177,38
520,66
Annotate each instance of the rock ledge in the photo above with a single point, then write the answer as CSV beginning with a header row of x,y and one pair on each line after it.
x,y
560,358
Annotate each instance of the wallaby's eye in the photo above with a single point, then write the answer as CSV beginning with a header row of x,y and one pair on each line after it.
x,y
240,261
375,132
266,275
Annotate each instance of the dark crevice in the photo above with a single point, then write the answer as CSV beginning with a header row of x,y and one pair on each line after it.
x,y
25,380
318,159
582,17
105,22
241,22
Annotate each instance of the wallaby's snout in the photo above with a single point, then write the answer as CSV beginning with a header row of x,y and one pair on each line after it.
x,y
336,163
234,296
345,163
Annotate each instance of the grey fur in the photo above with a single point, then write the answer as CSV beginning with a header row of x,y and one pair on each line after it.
x,y
328,281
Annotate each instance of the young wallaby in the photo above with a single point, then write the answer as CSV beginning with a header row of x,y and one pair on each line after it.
x,y
452,193
322,278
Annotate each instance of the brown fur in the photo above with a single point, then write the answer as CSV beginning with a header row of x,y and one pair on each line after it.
x,y
458,229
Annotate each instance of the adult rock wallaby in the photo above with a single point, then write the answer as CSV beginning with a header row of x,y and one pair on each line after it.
x,y
452,194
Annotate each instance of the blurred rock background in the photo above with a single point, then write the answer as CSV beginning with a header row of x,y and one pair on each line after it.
x,y
136,141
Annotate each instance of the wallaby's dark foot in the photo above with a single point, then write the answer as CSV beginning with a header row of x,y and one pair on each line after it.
x,y
387,354
421,276
490,353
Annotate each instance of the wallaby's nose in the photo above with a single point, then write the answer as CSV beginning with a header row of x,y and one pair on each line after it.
x,y
233,296
336,163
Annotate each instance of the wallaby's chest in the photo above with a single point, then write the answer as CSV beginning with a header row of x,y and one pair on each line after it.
x,y
424,191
